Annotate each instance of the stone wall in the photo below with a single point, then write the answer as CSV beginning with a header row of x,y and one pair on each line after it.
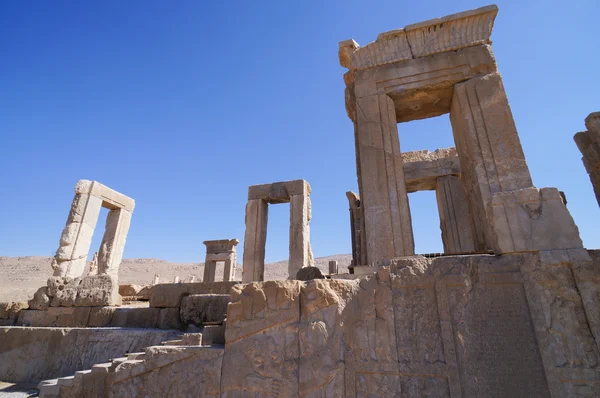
x,y
514,325
32,354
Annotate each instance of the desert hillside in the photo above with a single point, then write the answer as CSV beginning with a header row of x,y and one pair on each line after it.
x,y
20,277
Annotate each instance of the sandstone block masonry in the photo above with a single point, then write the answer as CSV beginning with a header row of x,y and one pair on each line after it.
x,y
297,194
588,143
429,69
220,251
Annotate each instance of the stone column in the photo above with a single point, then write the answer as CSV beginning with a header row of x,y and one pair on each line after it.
x,y
488,145
229,270
333,267
357,230
210,270
588,143
113,241
299,234
255,238
455,221
384,200
76,238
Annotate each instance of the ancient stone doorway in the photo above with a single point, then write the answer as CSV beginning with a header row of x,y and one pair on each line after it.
x,y
297,194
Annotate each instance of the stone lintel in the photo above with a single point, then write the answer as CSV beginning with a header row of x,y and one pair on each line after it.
x,y
423,168
278,192
221,245
111,199
422,87
449,33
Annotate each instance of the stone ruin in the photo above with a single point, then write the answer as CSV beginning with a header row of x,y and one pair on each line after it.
x,y
523,321
588,143
220,251
297,194
100,287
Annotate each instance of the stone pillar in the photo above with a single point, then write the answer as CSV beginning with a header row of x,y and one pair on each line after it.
x,y
113,241
488,145
384,200
455,221
229,270
357,229
76,238
210,270
588,143
333,267
255,238
156,280
300,256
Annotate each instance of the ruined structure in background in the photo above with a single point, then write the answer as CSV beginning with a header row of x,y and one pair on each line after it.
x,y
68,286
588,143
429,69
297,194
439,171
220,251
76,238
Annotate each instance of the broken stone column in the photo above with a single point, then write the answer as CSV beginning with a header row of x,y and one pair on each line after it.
x,y
588,143
255,239
357,229
222,250
455,221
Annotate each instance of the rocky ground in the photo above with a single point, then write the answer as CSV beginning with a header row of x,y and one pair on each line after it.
x,y
20,277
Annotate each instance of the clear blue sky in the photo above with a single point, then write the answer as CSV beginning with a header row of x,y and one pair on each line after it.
x,y
182,105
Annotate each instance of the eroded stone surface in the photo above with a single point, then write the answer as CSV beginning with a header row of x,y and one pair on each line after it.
x,y
200,308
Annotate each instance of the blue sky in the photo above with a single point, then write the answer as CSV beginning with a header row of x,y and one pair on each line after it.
x,y
182,105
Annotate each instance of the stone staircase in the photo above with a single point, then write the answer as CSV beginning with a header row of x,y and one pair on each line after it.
x,y
139,370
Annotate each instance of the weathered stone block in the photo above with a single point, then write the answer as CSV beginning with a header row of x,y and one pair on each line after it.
x,y
200,308
190,371
170,294
262,349
531,219
135,317
40,300
168,318
98,291
101,316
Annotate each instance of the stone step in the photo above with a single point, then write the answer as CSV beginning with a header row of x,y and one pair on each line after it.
x,y
49,390
135,355
66,381
80,374
171,342
101,367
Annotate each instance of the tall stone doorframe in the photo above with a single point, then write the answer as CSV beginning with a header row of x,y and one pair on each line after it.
x,y
439,171
297,194
588,143
101,286
428,69
220,251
